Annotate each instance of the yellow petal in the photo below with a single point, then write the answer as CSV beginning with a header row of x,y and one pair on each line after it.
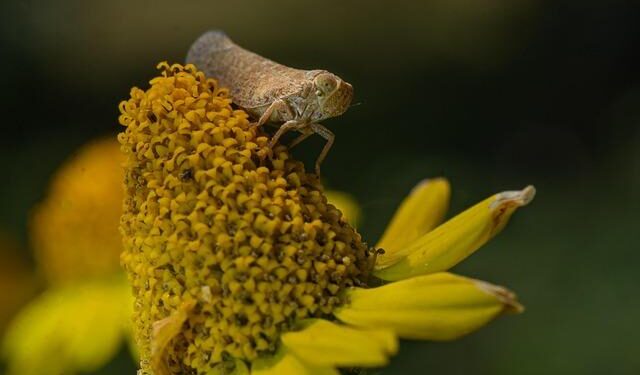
x,y
346,204
440,306
163,332
453,241
420,212
323,343
68,329
285,363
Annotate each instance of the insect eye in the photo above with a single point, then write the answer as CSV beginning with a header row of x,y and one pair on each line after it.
x,y
326,83
319,93
328,86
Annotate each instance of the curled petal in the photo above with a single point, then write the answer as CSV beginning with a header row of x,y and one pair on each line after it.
x,y
420,212
323,343
453,241
164,331
441,306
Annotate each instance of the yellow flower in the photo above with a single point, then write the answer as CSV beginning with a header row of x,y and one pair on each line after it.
x,y
80,320
75,230
240,266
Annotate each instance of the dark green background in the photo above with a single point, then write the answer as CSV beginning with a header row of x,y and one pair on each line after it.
x,y
493,94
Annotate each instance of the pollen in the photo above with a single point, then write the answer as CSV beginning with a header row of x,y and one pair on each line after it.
x,y
226,239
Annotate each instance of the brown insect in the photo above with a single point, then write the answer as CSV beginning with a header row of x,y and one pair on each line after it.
x,y
273,93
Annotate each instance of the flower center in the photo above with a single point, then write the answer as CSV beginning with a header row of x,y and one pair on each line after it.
x,y
214,219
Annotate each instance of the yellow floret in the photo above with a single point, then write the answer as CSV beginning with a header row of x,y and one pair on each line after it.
x,y
228,241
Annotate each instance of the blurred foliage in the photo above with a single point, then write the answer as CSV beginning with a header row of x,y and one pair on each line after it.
x,y
17,280
493,95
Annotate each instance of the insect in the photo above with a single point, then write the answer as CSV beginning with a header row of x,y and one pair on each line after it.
x,y
273,93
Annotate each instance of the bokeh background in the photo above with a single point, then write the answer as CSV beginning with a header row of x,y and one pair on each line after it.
x,y
492,94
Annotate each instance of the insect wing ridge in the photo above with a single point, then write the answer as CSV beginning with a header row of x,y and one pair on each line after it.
x,y
210,42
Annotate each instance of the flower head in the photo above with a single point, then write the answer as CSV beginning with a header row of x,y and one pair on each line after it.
x,y
242,250
239,265
78,323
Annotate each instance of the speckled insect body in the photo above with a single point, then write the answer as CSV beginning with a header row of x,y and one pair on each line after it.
x,y
273,93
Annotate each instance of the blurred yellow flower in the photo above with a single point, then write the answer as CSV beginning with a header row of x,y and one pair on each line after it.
x,y
75,229
78,323
240,266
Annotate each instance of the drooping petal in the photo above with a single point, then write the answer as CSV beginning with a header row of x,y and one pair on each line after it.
x,y
323,343
441,306
453,241
163,332
285,363
68,329
420,212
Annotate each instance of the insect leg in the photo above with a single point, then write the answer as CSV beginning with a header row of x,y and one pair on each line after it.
x,y
329,136
277,105
289,125
306,132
